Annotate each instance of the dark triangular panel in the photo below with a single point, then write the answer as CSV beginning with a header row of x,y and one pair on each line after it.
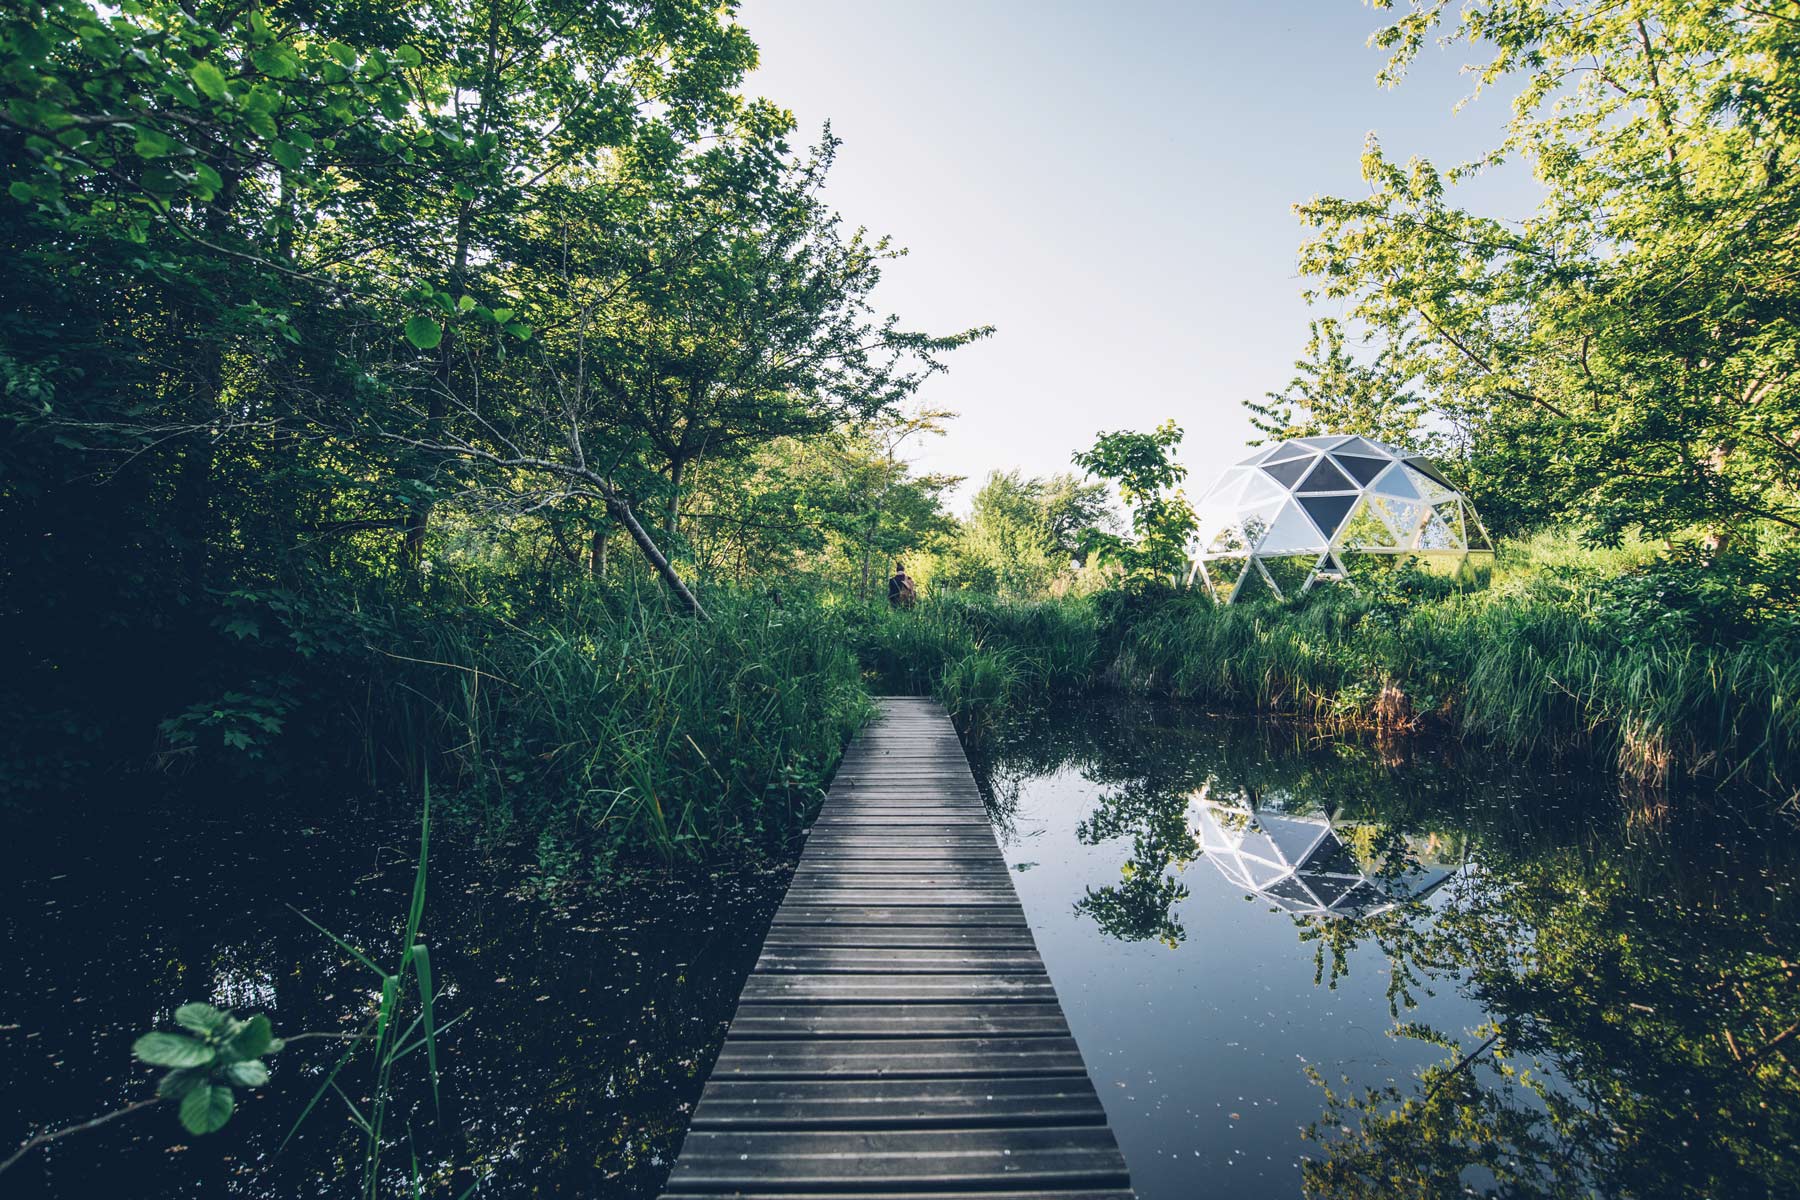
x,y
1361,469
1326,478
1288,473
1327,512
1429,469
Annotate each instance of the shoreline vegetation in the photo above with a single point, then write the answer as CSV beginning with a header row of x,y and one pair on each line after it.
x,y
1565,653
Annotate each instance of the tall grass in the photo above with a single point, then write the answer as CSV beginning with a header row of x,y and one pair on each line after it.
x,y
1557,656
975,652
615,726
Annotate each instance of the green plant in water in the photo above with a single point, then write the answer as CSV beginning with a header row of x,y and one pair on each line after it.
x,y
217,1055
392,1043
220,1053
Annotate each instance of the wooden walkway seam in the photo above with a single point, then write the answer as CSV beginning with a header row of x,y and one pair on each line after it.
x,y
899,1037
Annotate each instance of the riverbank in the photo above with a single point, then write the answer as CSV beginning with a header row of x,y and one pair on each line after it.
x,y
1644,668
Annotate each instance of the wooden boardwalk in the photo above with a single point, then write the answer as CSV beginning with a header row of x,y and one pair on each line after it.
x,y
899,1036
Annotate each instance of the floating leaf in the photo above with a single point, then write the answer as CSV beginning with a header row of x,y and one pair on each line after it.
x,y
202,1018
177,1084
251,1073
252,1040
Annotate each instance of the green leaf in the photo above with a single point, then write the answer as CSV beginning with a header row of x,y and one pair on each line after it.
x,y
172,1050
408,56
463,191
519,330
342,53
202,1018
20,191
503,315
422,962
253,1040
152,143
207,78
177,1084
251,1073
206,1108
466,304
276,61
424,332
288,156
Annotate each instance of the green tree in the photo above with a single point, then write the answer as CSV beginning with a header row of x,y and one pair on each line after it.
x,y
1144,469
1632,344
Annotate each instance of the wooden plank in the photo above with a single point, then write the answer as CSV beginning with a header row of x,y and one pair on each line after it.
x,y
899,960
899,935
919,914
921,1058
898,1103
1008,1194
906,989
717,1160
899,1021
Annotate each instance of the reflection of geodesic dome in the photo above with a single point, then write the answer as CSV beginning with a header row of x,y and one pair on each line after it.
x,y
1301,865
1310,500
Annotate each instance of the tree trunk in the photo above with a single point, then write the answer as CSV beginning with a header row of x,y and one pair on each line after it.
x,y
677,467
597,549
412,549
622,513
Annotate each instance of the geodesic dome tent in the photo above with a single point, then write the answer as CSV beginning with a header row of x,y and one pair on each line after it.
x,y
1301,865
1307,502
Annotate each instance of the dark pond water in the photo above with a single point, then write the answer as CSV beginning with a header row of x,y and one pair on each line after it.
x,y
590,1015
1274,952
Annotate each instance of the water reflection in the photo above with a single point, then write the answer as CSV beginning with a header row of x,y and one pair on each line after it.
x,y
1454,976
1307,867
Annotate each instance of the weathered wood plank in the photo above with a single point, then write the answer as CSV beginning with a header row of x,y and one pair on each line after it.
x,y
914,989
916,914
1008,1194
898,1103
895,1020
714,1160
921,1058
922,936
899,960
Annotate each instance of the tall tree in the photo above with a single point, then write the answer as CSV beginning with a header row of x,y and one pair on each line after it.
x,y
1637,334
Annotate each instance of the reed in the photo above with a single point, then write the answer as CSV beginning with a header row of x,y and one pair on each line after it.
x,y
1563,654
614,726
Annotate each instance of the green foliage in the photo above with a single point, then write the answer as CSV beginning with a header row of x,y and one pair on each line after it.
x,y
1624,354
1640,661
216,1055
1161,519
1022,535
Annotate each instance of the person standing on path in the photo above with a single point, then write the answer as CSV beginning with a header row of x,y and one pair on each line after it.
x,y
901,592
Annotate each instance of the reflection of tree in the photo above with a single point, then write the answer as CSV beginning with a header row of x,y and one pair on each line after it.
x,y
1141,905
1642,987
1666,1022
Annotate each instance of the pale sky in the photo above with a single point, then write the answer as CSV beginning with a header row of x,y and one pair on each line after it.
x,y
1111,186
